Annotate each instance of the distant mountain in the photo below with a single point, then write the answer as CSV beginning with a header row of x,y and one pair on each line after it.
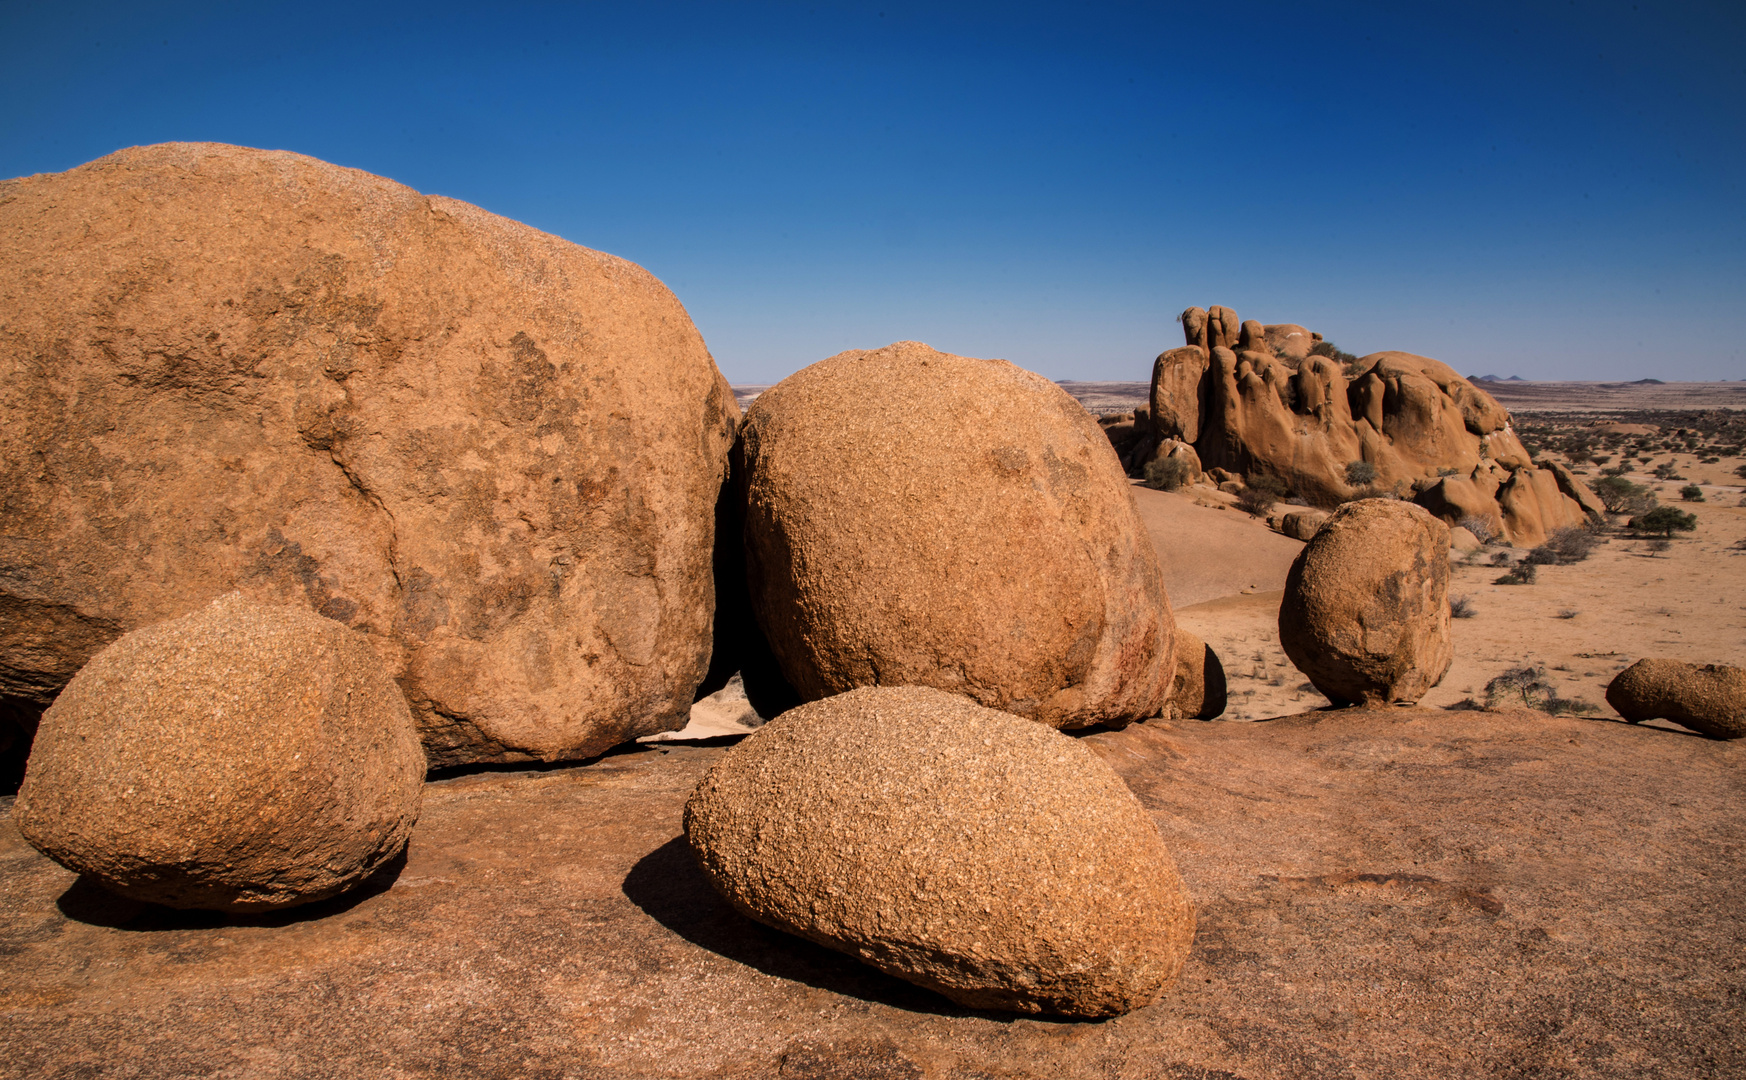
x,y
1495,378
1647,382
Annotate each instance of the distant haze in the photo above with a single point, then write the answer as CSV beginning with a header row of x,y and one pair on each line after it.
x,y
1553,191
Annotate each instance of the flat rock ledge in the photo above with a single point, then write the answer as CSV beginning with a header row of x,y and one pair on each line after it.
x,y
1401,892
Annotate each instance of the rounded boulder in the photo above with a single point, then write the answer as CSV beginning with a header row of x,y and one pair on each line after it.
x,y
1199,691
967,850
1707,698
1366,610
918,518
242,758
494,452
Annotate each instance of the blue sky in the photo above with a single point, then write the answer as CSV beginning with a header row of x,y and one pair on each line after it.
x,y
1552,190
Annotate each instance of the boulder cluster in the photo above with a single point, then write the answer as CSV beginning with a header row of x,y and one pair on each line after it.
x,y
1279,401
313,483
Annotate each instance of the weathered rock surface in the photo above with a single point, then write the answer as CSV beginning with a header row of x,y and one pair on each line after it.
x,y
1303,524
1360,878
966,850
242,758
1708,698
1366,608
494,452
917,518
1199,690
1257,401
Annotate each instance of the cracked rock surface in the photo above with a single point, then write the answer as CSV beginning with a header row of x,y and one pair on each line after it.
x,y
494,452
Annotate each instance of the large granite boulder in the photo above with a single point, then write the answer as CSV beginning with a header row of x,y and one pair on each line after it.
x,y
241,758
1258,401
963,849
1366,609
1708,698
492,451
917,518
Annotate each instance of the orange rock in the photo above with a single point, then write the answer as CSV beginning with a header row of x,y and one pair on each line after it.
x,y
493,452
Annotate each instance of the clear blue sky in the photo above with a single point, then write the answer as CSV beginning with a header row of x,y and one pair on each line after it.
x,y
1554,190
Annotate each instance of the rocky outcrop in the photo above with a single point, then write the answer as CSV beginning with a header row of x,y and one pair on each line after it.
x,y
1199,691
241,758
1265,400
1708,698
493,452
917,518
1366,609
966,850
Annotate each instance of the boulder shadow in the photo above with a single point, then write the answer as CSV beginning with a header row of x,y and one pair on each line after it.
x,y
88,902
670,888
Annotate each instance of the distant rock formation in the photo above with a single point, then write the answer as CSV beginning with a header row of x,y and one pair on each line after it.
x,y
1279,400
495,453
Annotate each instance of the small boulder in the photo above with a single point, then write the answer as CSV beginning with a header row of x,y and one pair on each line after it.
x,y
1302,524
241,758
1463,540
1366,608
921,519
1199,691
969,851
1707,698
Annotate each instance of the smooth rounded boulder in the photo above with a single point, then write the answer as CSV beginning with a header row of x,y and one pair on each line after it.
x,y
1366,609
918,518
242,758
967,850
1707,698
494,452
1199,691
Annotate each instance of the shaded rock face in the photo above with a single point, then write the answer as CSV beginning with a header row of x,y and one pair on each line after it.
x,y
1199,691
1366,608
917,518
1708,698
963,849
493,452
1257,401
242,758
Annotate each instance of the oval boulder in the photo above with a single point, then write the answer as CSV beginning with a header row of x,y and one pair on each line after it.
x,y
917,518
242,758
966,850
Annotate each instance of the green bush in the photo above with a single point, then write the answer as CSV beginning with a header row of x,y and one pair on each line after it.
x,y
1260,492
1461,607
1692,493
1332,352
1665,520
1523,574
1360,473
1168,474
1621,496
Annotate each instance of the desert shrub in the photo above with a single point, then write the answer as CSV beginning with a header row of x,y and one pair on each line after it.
x,y
1692,493
1601,459
1523,574
1571,544
1621,496
1259,494
1665,520
1482,528
1360,473
1664,471
1332,352
1168,474
1558,706
1526,684
1461,607
1568,613
1448,471
1541,556
1656,547
1741,472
